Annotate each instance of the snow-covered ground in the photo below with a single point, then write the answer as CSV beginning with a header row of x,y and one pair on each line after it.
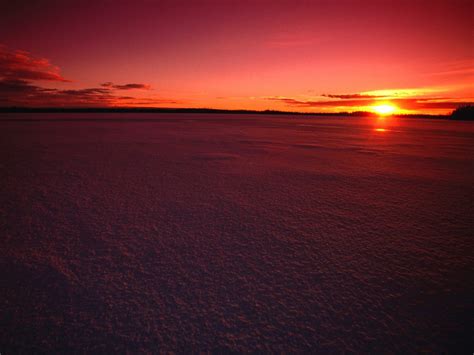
x,y
180,232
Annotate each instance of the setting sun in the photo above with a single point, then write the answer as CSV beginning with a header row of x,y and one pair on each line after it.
x,y
384,109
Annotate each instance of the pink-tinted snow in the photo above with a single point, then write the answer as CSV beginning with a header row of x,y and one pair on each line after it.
x,y
190,232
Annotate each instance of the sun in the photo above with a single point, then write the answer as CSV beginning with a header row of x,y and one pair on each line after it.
x,y
384,109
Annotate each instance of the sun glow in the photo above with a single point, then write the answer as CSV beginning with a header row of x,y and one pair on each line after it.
x,y
384,109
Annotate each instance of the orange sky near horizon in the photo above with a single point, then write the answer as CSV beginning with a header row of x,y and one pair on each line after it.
x,y
311,56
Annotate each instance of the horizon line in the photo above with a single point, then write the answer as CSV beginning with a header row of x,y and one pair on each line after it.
x,y
129,109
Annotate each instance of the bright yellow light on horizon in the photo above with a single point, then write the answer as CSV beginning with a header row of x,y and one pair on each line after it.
x,y
384,110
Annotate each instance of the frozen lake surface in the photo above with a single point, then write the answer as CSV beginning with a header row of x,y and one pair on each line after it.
x,y
180,232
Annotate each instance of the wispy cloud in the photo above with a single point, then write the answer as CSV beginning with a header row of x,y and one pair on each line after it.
x,y
20,72
321,103
126,86
410,92
24,93
21,65
353,96
457,68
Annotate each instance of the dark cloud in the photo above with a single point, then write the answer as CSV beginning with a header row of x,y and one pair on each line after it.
x,y
132,86
431,104
24,93
11,86
19,72
325,103
352,96
21,65
126,86
85,92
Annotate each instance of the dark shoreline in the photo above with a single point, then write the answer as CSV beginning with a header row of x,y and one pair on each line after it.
x,y
198,110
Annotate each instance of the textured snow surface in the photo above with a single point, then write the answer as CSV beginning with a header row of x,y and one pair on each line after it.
x,y
180,232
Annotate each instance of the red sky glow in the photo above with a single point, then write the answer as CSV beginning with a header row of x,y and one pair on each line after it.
x,y
321,56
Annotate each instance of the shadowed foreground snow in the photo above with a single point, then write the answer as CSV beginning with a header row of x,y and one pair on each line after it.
x,y
215,233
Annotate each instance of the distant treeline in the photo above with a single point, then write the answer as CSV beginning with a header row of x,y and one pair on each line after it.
x,y
197,110
171,110
463,113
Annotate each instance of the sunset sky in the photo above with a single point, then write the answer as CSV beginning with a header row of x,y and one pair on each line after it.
x,y
321,56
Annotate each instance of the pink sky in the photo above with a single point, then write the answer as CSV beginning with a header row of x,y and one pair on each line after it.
x,y
285,55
